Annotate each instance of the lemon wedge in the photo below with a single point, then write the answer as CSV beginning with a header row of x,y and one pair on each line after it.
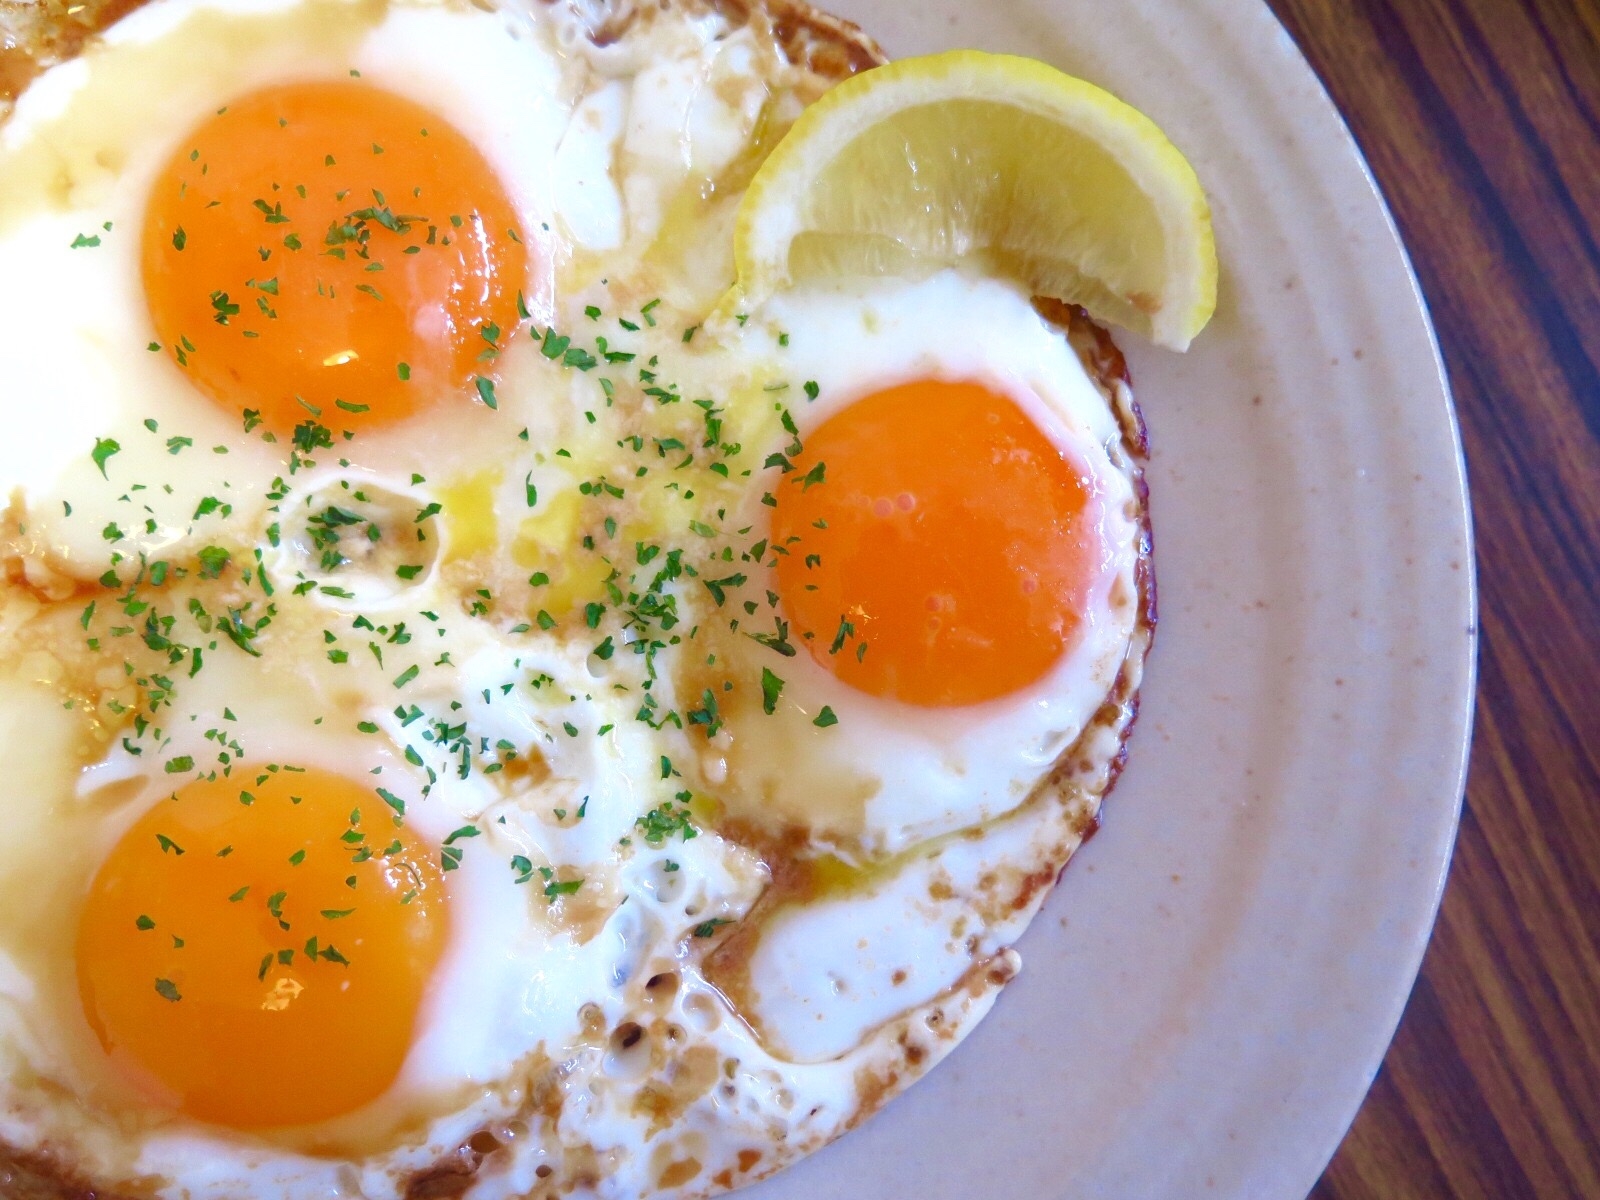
x,y
991,160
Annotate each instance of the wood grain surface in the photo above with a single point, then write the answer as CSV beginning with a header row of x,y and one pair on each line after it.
x,y
1481,119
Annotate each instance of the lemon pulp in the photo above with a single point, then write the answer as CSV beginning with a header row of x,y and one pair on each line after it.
x,y
994,161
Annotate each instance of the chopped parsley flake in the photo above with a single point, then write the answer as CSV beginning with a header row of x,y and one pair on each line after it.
x,y
771,689
664,821
104,448
560,887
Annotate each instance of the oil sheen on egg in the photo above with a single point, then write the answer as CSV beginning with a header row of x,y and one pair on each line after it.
x,y
470,733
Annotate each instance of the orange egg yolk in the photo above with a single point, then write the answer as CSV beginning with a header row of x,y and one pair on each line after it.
x,y
255,950
331,251
935,546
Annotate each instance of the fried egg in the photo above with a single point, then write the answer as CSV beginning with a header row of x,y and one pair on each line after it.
x,y
480,729
974,586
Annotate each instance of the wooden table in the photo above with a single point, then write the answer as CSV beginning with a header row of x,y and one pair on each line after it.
x,y
1481,119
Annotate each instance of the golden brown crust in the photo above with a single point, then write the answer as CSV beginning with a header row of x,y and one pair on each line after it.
x,y
829,46
443,1181
41,1177
34,36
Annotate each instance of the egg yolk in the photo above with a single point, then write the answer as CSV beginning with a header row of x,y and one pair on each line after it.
x,y
255,950
331,251
935,546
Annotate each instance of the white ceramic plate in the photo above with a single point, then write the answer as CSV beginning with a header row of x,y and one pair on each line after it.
x,y
1207,995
